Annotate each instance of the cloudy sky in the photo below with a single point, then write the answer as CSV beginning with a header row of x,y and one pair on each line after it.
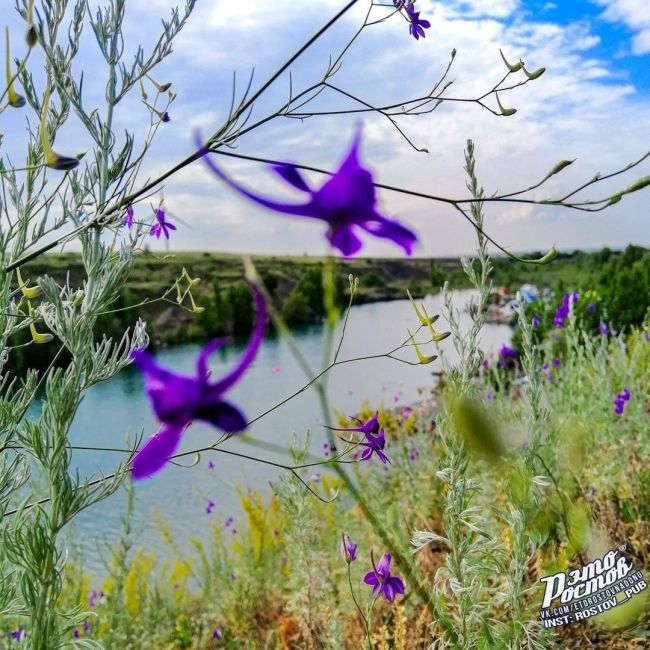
x,y
592,104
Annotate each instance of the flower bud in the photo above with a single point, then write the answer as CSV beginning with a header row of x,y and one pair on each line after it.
x,y
13,98
535,74
512,68
506,112
53,159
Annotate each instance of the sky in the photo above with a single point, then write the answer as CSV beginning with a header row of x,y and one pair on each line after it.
x,y
592,104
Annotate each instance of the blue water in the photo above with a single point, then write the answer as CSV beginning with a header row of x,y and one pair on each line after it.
x,y
119,410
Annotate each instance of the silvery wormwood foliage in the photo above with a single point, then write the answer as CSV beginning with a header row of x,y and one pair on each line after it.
x,y
37,200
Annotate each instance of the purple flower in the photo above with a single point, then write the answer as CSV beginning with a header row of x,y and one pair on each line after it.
x,y
418,25
348,549
371,426
128,217
619,403
95,597
374,445
556,363
18,634
229,522
162,227
210,465
603,329
591,308
216,634
535,321
486,363
490,396
86,627
414,454
546,366
345,202
177,399
326,449
381,580
507,352
549,376
210,507
647,336
75,633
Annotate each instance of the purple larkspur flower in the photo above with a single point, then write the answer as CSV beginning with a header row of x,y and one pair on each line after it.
x,y
162,226
620,401
370,426
75,633
381,580
326,449
486,363
18,634
647,336
603,329
210,507
591,308
95,598
210,465
490,396
86,627
417,25
546,366
374,445
556,363
178,399
128,217
549,376
216,633
414,454
507,352
535,321
345,202
348,549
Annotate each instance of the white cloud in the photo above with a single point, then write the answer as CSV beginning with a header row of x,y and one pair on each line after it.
x,y
634,14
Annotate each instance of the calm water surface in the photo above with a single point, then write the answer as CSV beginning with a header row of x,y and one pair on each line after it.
x,y
117,410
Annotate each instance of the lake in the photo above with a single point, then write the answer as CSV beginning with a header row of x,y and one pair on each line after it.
x,y
119,409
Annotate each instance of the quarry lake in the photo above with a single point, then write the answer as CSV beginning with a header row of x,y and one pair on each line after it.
x,y
119,410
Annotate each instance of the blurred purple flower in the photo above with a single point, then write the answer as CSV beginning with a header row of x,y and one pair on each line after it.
x,y
210,507
418,25
177,399
326,449
217,633
505,354
75,633
603,329
619,403
18,634
486,363
348,549
345,202
210,465
229,522
86,627
546,366
381,580
128,217
94,598
591,308
535,321
162,227
490,396
414,454
556,363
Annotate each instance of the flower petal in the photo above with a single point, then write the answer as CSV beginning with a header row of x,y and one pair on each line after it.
x,y
173,397
344,239
156,451
213,392
383,566
202,361
224,415
292,175
371,578
393,230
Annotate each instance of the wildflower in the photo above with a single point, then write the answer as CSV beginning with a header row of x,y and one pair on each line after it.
x,y
486,363
591,308
95,598
210,465
546,366
381,580
18,634
345,202
229,522
210,507
556,363
418,25
75,633
505,354
86,627
619,403
371,426
216,634
549,376
414,454
374,445
276,370
603,329
128,217
162,227
535,321
407,412
177,399
490,396
348,549
326,449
